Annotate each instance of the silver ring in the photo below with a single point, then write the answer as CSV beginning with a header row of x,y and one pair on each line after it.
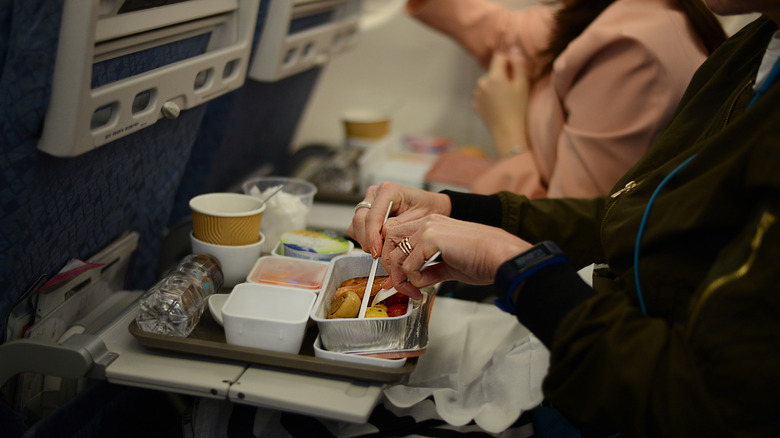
x,y
405,246
362,204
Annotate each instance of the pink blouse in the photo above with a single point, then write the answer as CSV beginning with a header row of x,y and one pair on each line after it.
x,y
609,95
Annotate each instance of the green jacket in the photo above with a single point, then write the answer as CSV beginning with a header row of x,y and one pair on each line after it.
x,y
705,361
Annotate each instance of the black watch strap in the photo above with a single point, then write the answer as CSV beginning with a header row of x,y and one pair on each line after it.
x,y
519,268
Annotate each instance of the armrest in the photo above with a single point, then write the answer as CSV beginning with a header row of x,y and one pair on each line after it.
x,y
79,356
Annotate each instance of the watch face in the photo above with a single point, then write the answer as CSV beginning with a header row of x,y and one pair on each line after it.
x,y
534,254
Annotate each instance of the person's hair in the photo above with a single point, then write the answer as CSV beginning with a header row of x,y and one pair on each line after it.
x,y
575,15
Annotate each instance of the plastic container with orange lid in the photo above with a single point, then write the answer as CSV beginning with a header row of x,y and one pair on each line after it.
x,y
288,271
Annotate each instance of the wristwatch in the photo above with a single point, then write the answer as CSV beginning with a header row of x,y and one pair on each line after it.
x,y
519,268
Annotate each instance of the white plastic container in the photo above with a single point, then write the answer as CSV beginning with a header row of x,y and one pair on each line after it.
x,y
267,317
236,260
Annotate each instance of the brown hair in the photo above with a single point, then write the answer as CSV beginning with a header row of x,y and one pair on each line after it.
x,y
576,15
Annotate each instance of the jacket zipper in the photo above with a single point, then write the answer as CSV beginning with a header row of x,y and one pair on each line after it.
x,y
627,188
767,220
633,184
734,102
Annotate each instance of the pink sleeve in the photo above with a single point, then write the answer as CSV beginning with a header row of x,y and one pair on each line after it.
x,y
517,174
480,26
616,107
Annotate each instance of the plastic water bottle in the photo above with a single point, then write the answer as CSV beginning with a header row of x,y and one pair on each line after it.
x,y
174,305
204,267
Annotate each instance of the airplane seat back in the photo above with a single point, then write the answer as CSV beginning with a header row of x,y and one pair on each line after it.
x,y
249,132
57,208
54,209
245,133
293,40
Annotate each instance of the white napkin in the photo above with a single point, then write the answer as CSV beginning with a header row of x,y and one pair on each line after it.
x,y
481,365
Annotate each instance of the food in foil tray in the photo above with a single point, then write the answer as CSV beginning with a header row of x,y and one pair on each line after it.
x,y
349,296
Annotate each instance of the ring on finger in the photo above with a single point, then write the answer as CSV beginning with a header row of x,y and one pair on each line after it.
x,y
362,204
405,246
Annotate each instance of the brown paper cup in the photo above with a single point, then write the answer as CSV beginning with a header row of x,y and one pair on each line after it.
x,y
226,218
366,124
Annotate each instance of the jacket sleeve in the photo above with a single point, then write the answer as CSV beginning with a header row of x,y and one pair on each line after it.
x,y
573,224
481,26
715,376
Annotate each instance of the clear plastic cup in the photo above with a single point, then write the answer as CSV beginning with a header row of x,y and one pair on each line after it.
x,y
288,210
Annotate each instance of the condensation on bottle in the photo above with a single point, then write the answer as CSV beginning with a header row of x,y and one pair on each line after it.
x,y
174,305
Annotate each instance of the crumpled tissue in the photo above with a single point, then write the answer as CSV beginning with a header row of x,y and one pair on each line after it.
x,y
481,365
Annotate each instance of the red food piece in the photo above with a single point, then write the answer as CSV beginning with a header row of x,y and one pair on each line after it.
x,y
397,310
397,298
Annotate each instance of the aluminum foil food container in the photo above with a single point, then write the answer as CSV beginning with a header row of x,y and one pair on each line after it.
x,y
352,334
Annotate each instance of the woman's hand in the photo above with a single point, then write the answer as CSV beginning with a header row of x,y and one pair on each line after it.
x,y
501,100
408,204
470,252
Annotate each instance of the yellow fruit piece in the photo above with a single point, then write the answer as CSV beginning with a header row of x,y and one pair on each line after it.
x,y
345,306
378,311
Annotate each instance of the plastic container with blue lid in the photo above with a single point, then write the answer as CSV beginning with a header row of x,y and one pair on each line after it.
x,y
313,245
